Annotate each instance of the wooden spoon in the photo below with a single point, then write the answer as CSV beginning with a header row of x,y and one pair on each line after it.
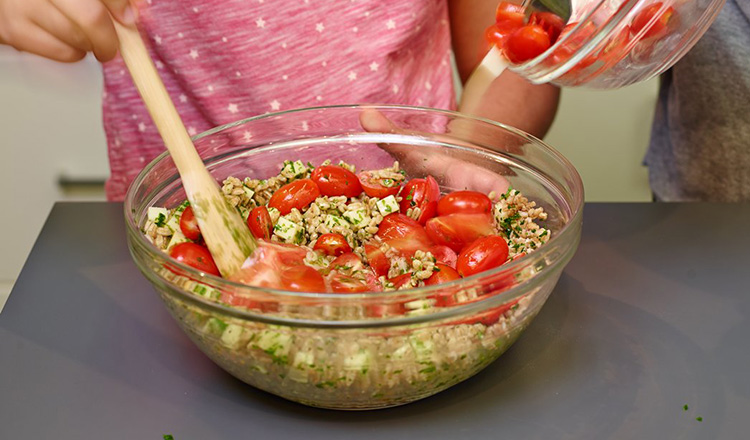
x,y
227,236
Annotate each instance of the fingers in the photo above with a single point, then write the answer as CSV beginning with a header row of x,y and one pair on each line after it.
x,y
57,24
122,11
40,42
93,19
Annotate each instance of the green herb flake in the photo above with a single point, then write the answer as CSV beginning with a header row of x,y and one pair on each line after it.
x,y
168,437
699,418
161,220
685,408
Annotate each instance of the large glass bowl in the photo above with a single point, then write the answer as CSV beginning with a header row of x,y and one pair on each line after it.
x,y
360,351
615,43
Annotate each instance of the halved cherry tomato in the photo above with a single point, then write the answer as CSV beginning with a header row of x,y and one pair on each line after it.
x,y
400,280
196,256
443,254
296,194
346,263
655,17
332,244
379,187
490,317
259,222
573,43
377,259
422,194
464,202
189,224
268,264
496,34
403,234
484,254
526,43
384,310
302,278
550,22
458,230
336,181
364,280
442,274
510,12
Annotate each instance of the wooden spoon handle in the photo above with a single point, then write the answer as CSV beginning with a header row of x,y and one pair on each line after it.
x,y
227,236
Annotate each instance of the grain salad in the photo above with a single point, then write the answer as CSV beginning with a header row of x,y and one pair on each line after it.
x,y
322,230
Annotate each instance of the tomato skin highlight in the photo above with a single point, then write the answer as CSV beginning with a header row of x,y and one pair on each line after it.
x,y
510,13
403,234
526,43
464,202
195,256
445,255
259,222
189,224
483,254
295,194
375,187
458,230
422,194
335,181
332,244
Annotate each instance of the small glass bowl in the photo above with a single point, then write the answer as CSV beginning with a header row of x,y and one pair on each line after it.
x,y
362,351
603,51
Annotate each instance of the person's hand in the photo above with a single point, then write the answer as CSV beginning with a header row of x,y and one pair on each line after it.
x,y
455,172
64,30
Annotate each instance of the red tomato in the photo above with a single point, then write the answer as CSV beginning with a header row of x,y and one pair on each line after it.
x,y
551,23
403,234
496,34
422,194
259,222
490,317
400,280
379,187
302,278
442,274
365,281
574,43
332,244
196,256
484,254
654,17
189,224
336,181
510,13
377,259
465,202
269,263
384,310
346,263
445,255
296,194
458,230
614,51
526,43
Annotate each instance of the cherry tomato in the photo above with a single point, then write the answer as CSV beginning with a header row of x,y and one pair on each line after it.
x,y
484,254
259,222
196,256
653,16
379,187
551,23
346,263
510,13
296,194
384,310
526,43
302,278
377,259
445,255
442,274
364,281
336,181
189,224
496,34
490,317
422,194
464,202
400,280
573,43
332,244
403,234
268,264
458,230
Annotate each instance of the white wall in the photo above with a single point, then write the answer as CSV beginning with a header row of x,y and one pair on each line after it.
x,y
50,125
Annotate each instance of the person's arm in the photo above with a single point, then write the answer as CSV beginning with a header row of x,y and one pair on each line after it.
x,y
510,99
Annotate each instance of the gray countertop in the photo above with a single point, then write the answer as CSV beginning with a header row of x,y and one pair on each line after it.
x,y
650,315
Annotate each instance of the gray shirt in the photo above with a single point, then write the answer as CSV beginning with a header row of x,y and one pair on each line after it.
x,y
700,140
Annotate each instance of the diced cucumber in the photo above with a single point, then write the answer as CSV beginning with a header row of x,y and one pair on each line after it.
x,y
244,212
215,326
274,214
158,215
275,344
233,336
387,205
294,169
359,361
250,193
